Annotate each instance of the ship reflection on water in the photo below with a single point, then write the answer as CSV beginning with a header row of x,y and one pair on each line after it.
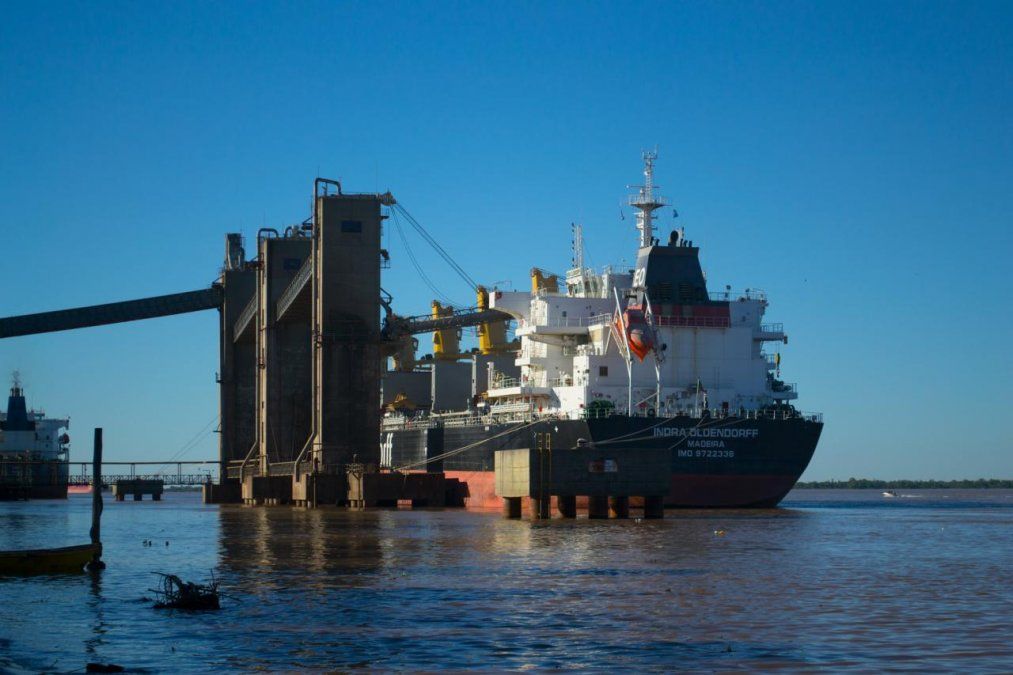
x,y
832,583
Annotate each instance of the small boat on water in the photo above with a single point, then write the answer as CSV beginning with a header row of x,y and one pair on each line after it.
x,y
888,493
66,560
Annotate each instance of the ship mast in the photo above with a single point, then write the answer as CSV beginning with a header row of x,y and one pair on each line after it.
x,y
645,201
578,246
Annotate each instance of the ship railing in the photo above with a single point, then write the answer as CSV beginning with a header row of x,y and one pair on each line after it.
x,y
522,412
462,418
399,423
506,382
545,292
568,321
539,382
513,382
783,414
534,350
643,200
581,350
693,321
772,328
238,469
617,269
712,414
779,387
168,479
738,296
509,408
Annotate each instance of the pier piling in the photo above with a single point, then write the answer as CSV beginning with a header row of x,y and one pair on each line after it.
x,y
540,508
654,507
619,507
512,507
597,507
567,506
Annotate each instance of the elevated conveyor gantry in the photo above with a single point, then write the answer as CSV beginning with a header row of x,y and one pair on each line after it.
x,y
109,313
211,298
462,318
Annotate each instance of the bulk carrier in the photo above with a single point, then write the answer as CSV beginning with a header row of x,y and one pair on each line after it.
x,y
644,357
34,450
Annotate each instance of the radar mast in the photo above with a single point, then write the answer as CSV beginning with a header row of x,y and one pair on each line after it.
x,y
645,201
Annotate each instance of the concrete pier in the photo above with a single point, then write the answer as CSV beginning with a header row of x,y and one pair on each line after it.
x,y
228,491
267,490
369,488
138,487
321,489
607,481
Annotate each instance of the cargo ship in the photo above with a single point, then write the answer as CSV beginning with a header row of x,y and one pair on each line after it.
x,y
34,450
644,357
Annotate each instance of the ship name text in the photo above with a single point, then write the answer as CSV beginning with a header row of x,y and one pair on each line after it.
x,y
704,432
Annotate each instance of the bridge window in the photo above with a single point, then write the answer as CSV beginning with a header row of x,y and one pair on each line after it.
x,y
351,226
603,371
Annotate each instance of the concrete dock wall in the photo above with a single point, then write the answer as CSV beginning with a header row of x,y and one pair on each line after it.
x,y
582,472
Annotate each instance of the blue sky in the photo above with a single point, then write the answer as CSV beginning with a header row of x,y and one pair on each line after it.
x,y
855,160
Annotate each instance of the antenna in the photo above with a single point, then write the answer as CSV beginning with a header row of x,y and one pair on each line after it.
x,y
578,246
646,202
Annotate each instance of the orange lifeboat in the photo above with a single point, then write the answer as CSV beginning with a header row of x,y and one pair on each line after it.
x,y
639,336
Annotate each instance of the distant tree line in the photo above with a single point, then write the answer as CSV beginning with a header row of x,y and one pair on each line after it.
x,y
872,483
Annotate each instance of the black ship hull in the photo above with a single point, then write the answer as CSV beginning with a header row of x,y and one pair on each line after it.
x,y
35,479
719,462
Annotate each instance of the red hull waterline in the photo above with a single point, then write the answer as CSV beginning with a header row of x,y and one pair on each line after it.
x,y
687,491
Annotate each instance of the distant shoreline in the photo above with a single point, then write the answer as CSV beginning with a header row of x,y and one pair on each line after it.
x,y
872,483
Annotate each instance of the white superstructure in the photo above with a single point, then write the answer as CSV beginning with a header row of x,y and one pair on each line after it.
x,y
647,340
29,434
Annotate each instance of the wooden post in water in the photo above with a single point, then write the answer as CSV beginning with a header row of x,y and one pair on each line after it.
x,y
96,504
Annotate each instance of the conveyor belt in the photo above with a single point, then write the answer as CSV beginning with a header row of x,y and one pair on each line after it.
x,y
427,324
196,301
113,312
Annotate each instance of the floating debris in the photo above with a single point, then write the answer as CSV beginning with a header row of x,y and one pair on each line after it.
x,y
178,594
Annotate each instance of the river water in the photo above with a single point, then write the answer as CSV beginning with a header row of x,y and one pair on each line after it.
x,y
832,580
